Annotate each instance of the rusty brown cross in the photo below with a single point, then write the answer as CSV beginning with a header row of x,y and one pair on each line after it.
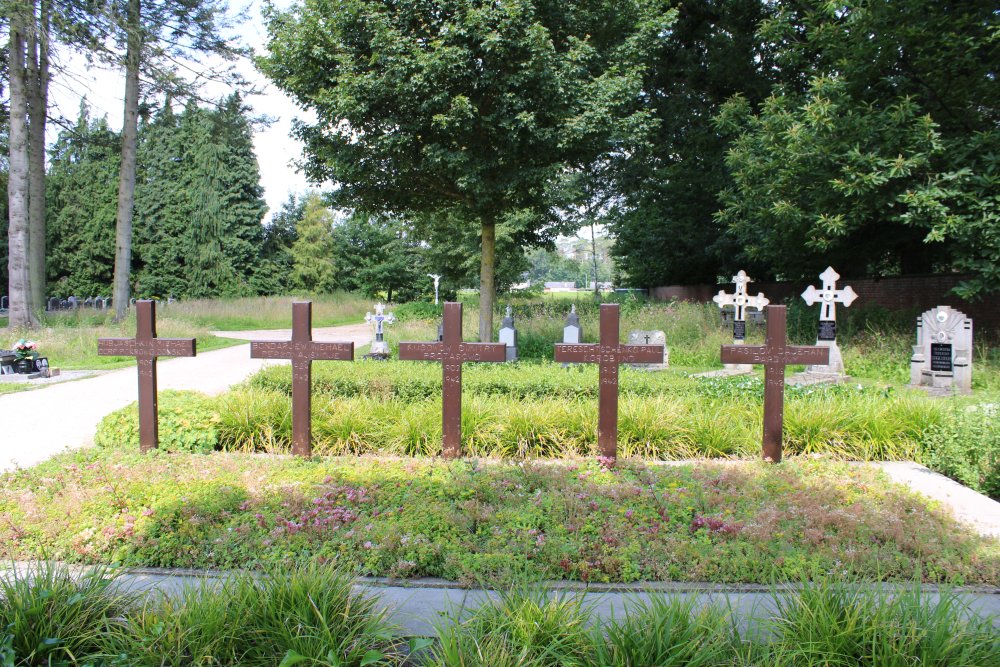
x,y
146,347
775,354
452,352
609,353
302,350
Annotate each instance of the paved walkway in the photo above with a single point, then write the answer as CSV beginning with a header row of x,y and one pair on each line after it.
x,y
419,606
44,422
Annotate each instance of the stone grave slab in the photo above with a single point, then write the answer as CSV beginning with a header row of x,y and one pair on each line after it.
x,y
655,337
942,357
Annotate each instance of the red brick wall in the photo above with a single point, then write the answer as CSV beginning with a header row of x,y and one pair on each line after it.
x,y
900,293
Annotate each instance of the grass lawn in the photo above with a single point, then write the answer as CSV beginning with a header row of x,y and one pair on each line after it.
x,y
487,522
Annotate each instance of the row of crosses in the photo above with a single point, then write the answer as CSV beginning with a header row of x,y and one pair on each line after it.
x,y
452,352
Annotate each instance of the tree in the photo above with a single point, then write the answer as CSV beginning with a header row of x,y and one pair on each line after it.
x,y
459,111
80,198
37,78
377,255
20,311
312,252
156,36
878,145
273,270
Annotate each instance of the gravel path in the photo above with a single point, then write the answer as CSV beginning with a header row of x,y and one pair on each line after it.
x,y
38,424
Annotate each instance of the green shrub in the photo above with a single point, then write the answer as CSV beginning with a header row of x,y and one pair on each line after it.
x,y
189,422
418,310
965,446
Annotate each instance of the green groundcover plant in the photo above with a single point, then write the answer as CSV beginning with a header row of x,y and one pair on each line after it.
x,y
487,521
311,616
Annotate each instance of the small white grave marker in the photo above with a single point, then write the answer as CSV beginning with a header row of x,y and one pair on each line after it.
x,y
740,301
379,348
829,297
508,334
650,338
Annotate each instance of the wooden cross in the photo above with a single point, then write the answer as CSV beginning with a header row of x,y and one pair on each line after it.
x,y
609,354
451,351
775,354
740,301
302,350
146,347
829,296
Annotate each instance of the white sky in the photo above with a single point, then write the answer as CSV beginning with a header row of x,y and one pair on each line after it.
x,y
276,149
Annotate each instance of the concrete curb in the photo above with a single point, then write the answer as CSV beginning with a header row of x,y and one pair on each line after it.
x,y
418,607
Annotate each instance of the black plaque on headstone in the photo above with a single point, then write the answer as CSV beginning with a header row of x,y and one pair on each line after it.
x,y
827,330
941,357
739,330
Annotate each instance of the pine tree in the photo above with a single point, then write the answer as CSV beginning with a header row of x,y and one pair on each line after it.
x,y
312,252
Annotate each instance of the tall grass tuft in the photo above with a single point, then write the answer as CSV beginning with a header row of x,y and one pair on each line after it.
x,y
307,615
831,624
48,616
520,629
666,632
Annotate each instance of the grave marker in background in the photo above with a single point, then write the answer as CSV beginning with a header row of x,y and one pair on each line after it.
x,y
572,332
302,350
379,348
146,347
609,354
452,352
508,334
651,338
942,357
775,354
829,296
740,301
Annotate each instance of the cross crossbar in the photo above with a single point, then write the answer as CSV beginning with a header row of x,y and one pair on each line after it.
x,y
302,350
452,352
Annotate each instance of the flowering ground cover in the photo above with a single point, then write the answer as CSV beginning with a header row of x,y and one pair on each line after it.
x,y
486,521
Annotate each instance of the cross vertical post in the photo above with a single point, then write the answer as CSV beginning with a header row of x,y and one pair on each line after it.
x,y
775,354
609,354
146,347
302,350
452,352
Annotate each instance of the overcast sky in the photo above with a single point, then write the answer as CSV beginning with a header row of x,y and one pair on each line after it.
x,y
276,150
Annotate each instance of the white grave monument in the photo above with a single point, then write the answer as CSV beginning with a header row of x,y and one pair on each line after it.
x,y
437,281
379,348
942,357
508,334
572,332
740,301
829,296
650,338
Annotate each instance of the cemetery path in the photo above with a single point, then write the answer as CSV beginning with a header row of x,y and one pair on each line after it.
x,y
46,421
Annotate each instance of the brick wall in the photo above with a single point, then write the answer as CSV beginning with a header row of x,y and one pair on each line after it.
x,y
913,293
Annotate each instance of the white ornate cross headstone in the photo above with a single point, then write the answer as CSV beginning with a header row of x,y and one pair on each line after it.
x,y
942,357
829,296
740,301
379,347
437,280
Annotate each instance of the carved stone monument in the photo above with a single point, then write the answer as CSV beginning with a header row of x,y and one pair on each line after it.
x,y
508,334
829,296
302,350
437,281
650,338
146,347
379,348
775,354
452,352
740,301
942,357
609,354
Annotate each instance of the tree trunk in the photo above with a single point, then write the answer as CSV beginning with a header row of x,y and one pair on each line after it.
x,y
487,281
593,252
37,98
19,313
126,180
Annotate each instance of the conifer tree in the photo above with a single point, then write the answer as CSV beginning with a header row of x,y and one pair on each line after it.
x,y
312,252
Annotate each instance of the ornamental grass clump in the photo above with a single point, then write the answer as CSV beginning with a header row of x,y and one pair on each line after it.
x,y
51,616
